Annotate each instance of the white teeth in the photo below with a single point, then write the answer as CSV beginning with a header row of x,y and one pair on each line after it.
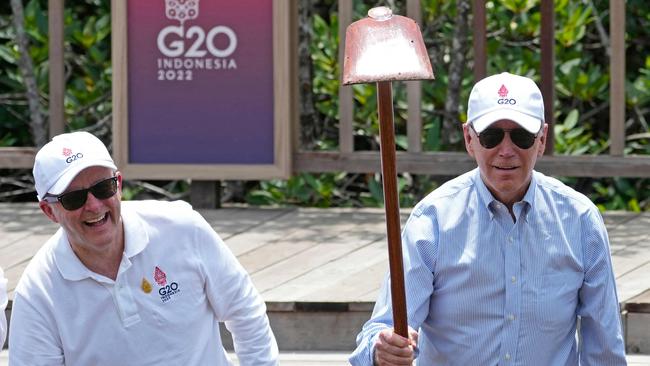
x,y
96,220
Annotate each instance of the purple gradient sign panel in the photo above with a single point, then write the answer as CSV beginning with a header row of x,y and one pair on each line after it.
x,y
200,82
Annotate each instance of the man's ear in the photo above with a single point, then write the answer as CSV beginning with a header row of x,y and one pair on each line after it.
x,y
467,135
47,210
118,174
542,140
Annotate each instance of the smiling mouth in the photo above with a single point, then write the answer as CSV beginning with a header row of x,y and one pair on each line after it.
x,y
97,221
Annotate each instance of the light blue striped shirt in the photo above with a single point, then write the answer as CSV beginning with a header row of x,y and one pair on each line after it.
x,y
486,290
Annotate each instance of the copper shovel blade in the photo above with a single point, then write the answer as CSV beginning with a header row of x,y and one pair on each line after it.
x,y
384,47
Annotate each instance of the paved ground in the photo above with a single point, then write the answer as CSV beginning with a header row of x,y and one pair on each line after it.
x,y
331,359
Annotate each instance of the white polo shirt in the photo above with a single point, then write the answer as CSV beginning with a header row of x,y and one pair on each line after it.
x,y
3,305
176,281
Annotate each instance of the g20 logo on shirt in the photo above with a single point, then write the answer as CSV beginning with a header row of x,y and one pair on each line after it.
x,y
186,50
167,291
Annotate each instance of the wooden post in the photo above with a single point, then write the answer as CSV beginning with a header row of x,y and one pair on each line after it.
x,y
346,111
548,69
480,40
205,194
617,78
56,63
414,91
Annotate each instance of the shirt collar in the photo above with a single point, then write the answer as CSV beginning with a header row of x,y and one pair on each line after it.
x,y
136,237
71,268
487,198
483,192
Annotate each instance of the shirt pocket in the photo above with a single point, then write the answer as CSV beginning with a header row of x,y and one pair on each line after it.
x,y
558,299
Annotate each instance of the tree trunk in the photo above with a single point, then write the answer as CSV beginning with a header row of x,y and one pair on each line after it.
x,y
310,124
37,123
459,46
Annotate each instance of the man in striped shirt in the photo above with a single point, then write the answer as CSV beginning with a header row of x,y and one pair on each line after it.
x,y
502,264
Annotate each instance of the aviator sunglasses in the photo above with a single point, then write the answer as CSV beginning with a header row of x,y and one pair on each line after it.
x,y
76,199
492,137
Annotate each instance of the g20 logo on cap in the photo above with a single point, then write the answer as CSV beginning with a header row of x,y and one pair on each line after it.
x,y
194,48
503,94
70,157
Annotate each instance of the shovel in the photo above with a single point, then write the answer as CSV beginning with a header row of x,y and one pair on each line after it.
x,y
379,49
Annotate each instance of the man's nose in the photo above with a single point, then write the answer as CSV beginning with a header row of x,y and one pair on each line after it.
x,y
92,202
506,147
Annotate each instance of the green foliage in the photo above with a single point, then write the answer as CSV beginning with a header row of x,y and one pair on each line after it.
x,y
87,65
582,82
335,190
129,193
324,50
622,194
581,107
301,190
574,138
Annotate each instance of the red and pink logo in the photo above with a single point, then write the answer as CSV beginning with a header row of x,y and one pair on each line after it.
x,y
160,277
66,151
503,92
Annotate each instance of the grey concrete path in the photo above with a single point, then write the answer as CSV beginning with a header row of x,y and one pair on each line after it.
x,y
338,358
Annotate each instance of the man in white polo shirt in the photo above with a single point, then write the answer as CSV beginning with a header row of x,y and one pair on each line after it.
x,y
133,283
3,305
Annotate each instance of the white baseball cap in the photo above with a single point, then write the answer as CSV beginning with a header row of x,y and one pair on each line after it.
x,y
506,96
60,160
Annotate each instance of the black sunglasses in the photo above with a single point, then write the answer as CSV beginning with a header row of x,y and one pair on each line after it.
x,y
492,137
76,199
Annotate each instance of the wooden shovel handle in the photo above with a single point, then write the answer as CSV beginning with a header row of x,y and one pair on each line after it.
x,y
391,204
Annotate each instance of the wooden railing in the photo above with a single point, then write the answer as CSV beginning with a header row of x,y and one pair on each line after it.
x,y
414,160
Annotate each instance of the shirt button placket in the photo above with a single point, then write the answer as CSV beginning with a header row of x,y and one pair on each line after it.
x,y
513,263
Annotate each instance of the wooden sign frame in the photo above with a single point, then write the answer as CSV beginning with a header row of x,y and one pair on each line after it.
x,y
283,117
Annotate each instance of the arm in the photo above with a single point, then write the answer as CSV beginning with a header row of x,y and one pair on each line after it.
x,y
3,306
235,300
419,247
602,341
32,339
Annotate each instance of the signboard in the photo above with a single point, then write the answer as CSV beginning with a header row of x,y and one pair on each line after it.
x,y
201,88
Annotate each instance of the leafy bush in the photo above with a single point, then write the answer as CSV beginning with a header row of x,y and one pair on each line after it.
x,y
581,81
